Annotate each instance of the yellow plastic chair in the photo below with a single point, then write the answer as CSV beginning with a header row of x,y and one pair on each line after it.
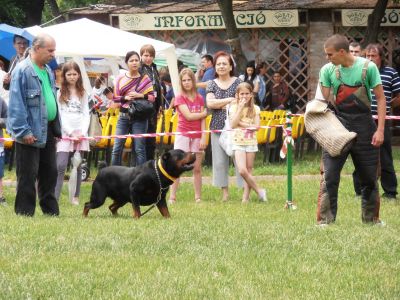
x,y
174,126
167,125
266,114
208,122
159,128
261,136
279,114
271,147
297,134
7,144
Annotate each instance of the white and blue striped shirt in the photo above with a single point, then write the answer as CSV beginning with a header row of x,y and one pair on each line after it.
x,y
391,86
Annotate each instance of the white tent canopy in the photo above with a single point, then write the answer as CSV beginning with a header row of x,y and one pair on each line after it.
x,y
86,38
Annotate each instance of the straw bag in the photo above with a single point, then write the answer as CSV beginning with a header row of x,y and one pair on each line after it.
x,y
324,127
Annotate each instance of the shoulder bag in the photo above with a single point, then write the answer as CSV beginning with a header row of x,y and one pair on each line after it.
x,y
225,139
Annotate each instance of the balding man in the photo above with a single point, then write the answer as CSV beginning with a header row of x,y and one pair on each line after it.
x,y
351,80
34,123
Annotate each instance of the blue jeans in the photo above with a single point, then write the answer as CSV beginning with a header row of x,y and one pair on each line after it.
x,y
126,126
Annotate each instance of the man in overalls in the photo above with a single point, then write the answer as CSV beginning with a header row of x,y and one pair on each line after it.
x,y
351,80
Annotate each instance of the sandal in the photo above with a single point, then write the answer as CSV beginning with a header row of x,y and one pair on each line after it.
x,y
171,201
198,200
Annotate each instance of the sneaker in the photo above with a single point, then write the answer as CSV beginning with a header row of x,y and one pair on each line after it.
x,y
380,223
3,201
263,195
75,201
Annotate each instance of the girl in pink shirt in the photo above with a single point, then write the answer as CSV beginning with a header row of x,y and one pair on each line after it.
x,y
191,117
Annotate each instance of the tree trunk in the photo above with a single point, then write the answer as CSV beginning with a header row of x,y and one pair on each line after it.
x,y
55,11
232,34
374,22
33,11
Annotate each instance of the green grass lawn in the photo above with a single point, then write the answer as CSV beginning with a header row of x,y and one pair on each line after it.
x,y
211,250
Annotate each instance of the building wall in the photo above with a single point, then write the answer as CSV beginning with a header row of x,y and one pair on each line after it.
x,y
318,32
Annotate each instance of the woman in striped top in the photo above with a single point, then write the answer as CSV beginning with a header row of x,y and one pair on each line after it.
x,y
128,87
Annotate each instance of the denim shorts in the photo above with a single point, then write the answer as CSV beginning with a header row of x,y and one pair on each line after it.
x,y
245,148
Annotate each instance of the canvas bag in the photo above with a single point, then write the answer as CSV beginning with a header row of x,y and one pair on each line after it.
x,y
225,139
325,128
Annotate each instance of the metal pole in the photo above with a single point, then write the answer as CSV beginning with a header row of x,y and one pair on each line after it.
x,y
289,163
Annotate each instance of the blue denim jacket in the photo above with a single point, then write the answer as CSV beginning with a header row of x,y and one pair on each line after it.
x,y
27,113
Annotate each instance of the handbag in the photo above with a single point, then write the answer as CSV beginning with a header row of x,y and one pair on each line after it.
x,y
225,139
94,128
140,109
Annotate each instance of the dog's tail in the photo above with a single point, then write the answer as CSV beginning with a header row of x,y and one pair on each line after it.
x,y
102,164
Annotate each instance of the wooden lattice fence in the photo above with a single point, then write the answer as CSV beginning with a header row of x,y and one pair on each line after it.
x,y
283,49
389,38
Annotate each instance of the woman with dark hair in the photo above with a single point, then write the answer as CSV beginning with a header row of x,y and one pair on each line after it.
x,y
252,78
129,87
261,71
220,93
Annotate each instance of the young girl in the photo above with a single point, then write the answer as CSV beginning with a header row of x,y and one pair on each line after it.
x,y
191,117
245,114
74,111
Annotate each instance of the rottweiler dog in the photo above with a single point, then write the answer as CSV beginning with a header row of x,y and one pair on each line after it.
x,y
142,185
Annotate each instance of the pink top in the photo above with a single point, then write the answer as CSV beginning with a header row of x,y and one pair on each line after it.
x,y
195,106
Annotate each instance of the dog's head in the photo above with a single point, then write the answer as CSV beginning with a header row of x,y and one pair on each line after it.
x,y
175,162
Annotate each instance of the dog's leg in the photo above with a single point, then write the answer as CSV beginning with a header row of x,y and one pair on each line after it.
x,y
86,209
114,208
163,210
136,211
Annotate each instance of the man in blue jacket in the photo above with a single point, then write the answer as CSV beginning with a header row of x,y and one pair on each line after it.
x,y
34,124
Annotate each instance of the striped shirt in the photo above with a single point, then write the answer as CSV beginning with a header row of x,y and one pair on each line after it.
x,y
125,84
391,86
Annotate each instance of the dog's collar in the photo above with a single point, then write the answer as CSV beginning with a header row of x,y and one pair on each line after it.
x,y
165,172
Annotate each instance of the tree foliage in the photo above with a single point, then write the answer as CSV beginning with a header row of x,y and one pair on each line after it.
x,y
232,33
23,13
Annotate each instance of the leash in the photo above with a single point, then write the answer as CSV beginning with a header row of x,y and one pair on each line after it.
x,y
159,182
